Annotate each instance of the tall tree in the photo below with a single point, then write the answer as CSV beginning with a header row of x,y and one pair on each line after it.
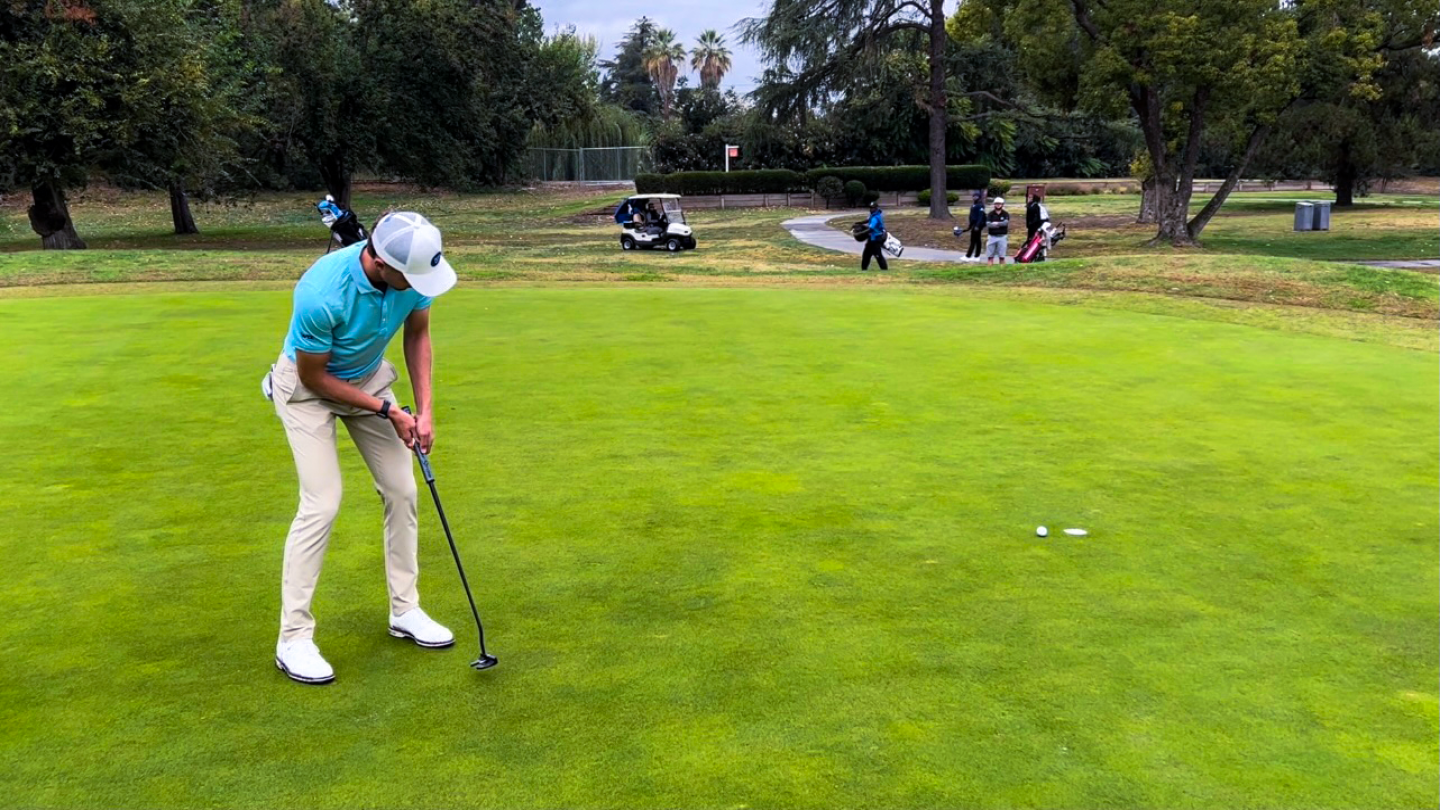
x,y
446,85
710,58
83,83
564,66
1192,69
627,81
1351,140
814,46
190,116
316,95
663,58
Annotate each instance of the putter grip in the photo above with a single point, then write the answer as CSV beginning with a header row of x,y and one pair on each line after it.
x,y
420,454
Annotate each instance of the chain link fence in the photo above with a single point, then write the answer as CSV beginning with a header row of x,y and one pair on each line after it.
x,y
600,164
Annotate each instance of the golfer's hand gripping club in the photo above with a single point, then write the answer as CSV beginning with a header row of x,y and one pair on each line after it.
x,y
420,454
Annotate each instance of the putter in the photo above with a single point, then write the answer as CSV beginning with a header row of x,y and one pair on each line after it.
x,y
485,661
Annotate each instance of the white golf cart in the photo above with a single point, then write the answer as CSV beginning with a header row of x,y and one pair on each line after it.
x,y
654,221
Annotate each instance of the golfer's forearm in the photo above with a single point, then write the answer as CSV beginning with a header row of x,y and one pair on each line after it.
x,y
330,387
417,360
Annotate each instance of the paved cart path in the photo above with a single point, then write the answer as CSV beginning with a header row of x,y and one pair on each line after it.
x,y
815,230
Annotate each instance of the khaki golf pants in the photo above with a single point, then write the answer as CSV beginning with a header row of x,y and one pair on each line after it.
x,y
310,427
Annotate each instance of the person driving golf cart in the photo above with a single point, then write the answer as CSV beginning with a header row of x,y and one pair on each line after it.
x,y
654,220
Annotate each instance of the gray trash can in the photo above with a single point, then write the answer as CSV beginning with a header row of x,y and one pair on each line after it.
x,y
1322,216
1304,216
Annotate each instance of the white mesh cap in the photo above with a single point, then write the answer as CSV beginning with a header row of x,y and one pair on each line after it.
x,y
409,243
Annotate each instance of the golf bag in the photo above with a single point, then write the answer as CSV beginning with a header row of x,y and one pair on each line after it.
x,y
344,226
861,232
1039,245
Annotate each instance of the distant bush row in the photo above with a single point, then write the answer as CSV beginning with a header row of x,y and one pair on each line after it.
x,y
902,178
763,181
780,181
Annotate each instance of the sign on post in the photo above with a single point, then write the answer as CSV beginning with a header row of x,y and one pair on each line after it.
x,y
731,151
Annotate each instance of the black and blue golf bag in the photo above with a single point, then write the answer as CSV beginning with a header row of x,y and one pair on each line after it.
x,y
345,227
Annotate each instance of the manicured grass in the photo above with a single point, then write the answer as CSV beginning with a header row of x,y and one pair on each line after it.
x,y
761,547
1323,285
551,237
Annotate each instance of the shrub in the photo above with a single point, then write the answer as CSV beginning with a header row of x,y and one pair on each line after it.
x,y
871,196
830,187
649,184
999,188
902,178
951,197
854,192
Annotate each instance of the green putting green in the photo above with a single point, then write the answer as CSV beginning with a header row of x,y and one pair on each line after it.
x,y
767,548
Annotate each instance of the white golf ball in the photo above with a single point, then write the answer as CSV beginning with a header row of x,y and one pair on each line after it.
x,y
1042,532
1076,532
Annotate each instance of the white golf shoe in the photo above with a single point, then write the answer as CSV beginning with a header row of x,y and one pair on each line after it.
x,y
300,659
421,629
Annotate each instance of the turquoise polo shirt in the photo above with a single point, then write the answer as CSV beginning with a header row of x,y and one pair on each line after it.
x,y
338,310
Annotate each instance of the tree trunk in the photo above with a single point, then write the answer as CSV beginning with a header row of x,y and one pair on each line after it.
x,y
50,217
337,179
1257,138
1148,215
1345,175
1172,202
1171,207
1172,196
939,39
180,210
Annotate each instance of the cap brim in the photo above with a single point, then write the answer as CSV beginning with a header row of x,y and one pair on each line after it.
x,y
436,282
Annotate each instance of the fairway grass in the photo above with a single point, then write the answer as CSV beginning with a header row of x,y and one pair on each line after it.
x,y
567,237
735,547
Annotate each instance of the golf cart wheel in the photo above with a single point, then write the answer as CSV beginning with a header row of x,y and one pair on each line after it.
x,y
672,244
627,243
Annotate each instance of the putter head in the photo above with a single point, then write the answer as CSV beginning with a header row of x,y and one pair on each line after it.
x,y
484,662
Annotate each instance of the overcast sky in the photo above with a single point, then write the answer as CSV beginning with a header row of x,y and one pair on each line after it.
x,y
608,22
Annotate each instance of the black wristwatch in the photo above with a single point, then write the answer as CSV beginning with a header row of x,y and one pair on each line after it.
x,y
384,412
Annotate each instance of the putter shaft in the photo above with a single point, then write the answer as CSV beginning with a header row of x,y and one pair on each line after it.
x,y
485,661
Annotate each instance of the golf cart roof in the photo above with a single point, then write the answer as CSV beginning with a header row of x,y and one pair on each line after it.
x,y
654,197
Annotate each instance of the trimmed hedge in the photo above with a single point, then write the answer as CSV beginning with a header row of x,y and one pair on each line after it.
x,y
763,181
779,181
951,197
903,178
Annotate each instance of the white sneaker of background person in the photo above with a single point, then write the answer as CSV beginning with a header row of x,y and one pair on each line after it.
x,y
300,660
421,629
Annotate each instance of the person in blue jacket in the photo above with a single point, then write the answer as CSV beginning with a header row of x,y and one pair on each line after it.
x,y
876,241
977,229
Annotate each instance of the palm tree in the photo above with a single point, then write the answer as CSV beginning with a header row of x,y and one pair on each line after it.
x,y
664,59
711,58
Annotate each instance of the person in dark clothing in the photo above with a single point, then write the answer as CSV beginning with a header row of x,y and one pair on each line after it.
x,y
658,220
876,241
1033,218
977,229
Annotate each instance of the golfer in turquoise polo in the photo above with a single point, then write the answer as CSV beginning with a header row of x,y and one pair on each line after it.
x,y
348,306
